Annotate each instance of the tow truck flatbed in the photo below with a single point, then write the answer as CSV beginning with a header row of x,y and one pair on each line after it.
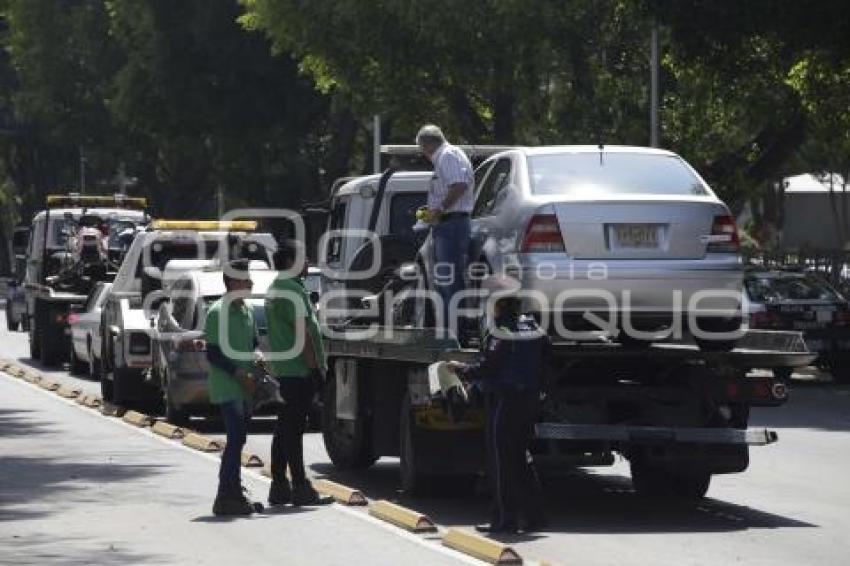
x,y
756,349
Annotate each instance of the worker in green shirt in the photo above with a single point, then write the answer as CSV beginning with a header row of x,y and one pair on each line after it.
x,y
231,340
297,359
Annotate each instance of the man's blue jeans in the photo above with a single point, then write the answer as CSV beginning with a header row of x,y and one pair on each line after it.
x,y
451,246
235,419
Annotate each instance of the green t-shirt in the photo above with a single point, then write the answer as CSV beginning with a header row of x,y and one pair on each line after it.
x,y
237,333
281,312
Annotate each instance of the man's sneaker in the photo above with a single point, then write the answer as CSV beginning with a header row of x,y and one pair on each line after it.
x,y
232,505
280,493
305,494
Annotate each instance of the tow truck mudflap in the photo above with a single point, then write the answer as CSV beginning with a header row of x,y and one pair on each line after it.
x,y
655,434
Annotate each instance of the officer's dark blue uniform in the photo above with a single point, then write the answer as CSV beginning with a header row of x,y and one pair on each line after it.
x,y
509,372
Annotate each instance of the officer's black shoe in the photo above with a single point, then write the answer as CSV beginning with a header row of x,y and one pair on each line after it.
x,y
280,493
305,494
232,504
497,528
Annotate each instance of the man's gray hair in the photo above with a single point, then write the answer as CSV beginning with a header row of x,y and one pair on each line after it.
x,y
430,134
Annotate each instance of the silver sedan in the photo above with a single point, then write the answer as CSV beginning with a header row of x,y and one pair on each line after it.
x,y
625,240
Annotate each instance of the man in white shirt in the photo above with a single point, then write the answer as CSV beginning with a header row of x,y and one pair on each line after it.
x,y
449,205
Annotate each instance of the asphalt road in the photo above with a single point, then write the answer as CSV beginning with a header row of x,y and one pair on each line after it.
x,y
790,507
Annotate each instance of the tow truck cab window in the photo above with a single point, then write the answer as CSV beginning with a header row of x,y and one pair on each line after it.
x,y
181,301
336,222
403,213
91,301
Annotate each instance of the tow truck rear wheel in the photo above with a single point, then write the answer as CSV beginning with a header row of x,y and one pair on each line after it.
x,y
413,482
11,324
348,442
50,353
77,366
665,482
35,342
174,413
106,389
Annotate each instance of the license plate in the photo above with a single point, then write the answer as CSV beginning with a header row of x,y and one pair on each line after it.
x,y
644,236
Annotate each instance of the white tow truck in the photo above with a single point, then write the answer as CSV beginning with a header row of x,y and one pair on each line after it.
x,y
54,280
678,414
126,321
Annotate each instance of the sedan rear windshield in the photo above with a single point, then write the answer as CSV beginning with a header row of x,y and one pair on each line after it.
x,y
796,288
601,173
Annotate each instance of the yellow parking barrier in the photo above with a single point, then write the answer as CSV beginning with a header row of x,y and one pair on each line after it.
x,y
17,371
49,385
340,493
250,460
401,516
202,443
112,410
168,430
137,419
480,547
68,392
30,376
90,401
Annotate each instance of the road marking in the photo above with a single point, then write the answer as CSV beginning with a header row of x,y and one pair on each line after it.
x,y
257,476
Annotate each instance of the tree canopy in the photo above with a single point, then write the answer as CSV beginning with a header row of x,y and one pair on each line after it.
x,y
269,101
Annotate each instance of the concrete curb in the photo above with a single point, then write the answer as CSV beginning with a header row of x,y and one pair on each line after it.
x,y
340,493
480,547
137,419
202,443
401,517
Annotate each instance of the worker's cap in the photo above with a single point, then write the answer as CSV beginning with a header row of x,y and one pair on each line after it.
x,y
502,285
430,133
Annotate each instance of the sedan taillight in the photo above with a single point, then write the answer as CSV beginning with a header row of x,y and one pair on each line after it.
x,y
724,235
543,235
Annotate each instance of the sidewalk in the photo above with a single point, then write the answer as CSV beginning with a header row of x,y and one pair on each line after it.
x,y
78,488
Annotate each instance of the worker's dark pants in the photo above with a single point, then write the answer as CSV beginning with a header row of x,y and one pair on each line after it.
x,y
235,419
451,247
287,447
515,486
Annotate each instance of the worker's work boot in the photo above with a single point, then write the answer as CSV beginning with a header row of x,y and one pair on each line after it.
x,y
305,494
280,493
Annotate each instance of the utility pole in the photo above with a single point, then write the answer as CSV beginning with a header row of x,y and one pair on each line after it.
x,y
653,86
376,143
82,170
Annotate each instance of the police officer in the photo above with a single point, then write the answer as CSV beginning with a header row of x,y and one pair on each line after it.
x,y
509,373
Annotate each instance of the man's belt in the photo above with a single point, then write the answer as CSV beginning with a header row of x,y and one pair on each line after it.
x,y
452,215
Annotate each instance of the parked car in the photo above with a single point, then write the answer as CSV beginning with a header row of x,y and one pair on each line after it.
x,y
179,350
628,221
85,351
782,300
